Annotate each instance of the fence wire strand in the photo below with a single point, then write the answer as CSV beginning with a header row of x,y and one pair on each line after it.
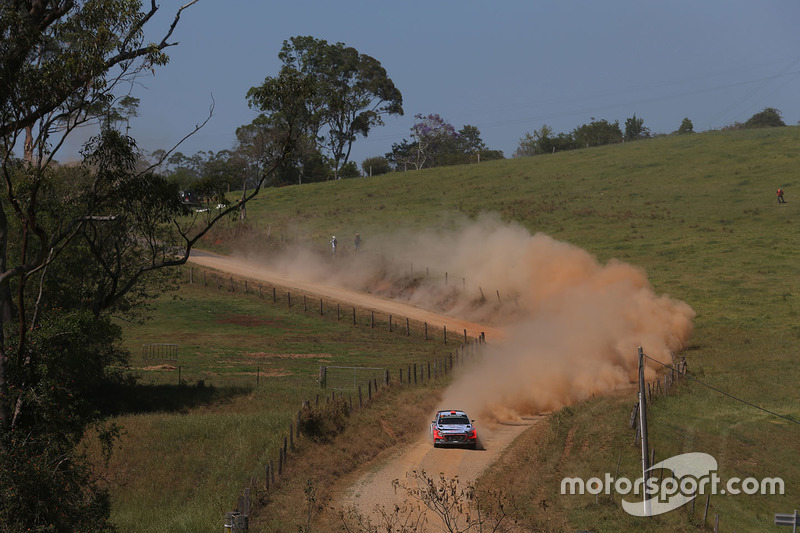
x,y
731,396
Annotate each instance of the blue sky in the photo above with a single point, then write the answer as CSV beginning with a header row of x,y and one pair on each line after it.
x,y
507,67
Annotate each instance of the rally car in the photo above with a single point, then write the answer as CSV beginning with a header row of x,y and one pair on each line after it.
x,y
453,428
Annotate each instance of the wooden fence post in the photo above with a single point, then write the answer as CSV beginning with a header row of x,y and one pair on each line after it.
x,y
445,334
408,328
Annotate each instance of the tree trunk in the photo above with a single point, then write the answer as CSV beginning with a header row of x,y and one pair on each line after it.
x,y
243,208
27,148
5,317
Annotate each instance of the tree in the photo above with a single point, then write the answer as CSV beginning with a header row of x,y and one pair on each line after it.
x,y
302,164
77,244
469,147
685,127
542,141
635,129
526,146
432,137
375,166
469,140
350,170
597,133
403,155
348,93
768,118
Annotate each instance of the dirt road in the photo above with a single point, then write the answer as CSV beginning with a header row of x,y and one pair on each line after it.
x,y
249,269
374,488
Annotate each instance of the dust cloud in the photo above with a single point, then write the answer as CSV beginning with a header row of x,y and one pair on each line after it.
x,y
573,325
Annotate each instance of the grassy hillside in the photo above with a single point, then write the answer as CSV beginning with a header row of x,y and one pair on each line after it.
x,y
698,213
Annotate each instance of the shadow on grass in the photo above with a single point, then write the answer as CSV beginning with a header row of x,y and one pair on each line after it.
x,y
147,398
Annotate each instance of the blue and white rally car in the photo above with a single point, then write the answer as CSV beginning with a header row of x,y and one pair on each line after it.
x,y
453,428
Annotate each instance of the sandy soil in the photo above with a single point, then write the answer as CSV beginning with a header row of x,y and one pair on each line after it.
x,y
374,487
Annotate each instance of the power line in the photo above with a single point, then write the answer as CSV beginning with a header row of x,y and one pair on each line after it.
x,y
725,393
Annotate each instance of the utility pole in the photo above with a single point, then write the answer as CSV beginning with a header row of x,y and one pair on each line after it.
x,y
643,430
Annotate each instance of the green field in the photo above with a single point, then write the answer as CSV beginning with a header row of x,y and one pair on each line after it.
x,y
246,365
698,213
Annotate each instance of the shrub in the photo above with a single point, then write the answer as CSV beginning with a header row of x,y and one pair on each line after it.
x,y
321,423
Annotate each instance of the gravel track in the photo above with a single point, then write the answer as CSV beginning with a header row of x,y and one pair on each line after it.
x,y
374,487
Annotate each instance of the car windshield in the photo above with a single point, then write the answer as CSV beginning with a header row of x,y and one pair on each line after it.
x,y
452,420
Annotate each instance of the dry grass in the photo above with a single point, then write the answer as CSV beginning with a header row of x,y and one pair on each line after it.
x,y
394,418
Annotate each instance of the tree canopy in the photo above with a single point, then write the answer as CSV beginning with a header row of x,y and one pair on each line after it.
x,y
435,142
330,92
78,244
635,129
595,133
685,127
768,118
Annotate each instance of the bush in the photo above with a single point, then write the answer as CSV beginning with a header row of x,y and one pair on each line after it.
x,y
375,166
321,423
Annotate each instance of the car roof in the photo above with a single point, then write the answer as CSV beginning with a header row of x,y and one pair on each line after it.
x,y
446,412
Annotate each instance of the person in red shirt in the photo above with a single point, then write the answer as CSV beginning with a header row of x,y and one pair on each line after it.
x,y
780,196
